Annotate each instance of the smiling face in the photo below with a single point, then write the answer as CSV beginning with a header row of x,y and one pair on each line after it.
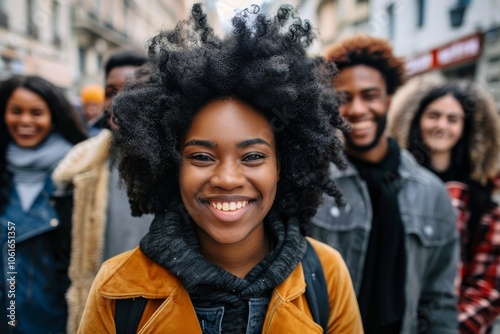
x,y
442,124
27,118
365,105
229,172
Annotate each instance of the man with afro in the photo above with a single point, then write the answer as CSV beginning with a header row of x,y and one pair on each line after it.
x,y
396,230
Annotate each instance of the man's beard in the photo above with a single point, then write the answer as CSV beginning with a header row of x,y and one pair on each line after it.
x,y
381,123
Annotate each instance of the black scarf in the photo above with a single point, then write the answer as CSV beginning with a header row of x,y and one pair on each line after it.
x,y
172,243
381,298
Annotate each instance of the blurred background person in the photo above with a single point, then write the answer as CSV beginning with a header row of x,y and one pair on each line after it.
x,y
453,129
38,127
397,230
92,98
103,225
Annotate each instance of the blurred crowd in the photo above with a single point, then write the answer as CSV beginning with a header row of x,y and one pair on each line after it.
x,y
404,184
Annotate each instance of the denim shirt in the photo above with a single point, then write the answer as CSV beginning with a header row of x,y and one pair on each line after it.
x,y
431,241
31,280
211,318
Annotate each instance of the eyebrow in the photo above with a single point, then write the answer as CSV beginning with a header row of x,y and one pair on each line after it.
x,y
241,144
200,142
252,141
371,89
365,90
450,113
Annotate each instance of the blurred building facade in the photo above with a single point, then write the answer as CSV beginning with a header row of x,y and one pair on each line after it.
x,y
220,12
66,41
457,38
338,19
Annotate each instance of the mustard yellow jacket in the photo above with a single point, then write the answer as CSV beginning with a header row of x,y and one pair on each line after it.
x,y
169,308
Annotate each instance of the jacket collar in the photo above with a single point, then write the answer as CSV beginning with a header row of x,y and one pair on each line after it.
x,y
139,276
406,168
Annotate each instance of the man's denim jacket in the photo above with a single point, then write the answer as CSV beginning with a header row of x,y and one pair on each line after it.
x,y
432,244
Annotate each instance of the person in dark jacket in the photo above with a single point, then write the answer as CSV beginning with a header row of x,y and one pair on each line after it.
x,y
38,126
397,230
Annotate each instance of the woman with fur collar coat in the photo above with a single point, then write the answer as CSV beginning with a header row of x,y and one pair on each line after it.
x,y
453,129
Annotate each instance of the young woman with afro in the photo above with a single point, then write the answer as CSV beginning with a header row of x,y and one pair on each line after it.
x,y
228,142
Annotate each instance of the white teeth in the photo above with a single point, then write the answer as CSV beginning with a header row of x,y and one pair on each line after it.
x,y
229,206
361,125
25,131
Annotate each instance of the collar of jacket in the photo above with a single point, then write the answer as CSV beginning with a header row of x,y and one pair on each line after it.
x,y
406,171
139,276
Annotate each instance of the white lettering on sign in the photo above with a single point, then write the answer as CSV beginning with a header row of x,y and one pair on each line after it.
x,y
458,51
419,64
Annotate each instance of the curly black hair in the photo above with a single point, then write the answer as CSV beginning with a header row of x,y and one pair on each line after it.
x,y
262,63
369,51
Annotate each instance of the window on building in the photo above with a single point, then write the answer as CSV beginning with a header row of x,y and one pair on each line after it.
x,y
93,9
31,27
125,17
56,29
82,59
391,19
4,18
100,61
327,17
420,13
110,16
457,13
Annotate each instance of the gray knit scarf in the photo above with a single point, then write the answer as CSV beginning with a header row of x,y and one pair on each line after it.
x,y
31,166
172,243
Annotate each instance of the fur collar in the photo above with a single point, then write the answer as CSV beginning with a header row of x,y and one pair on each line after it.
x,y
83,157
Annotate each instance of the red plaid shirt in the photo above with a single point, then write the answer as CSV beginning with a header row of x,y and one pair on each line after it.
x,y
479,278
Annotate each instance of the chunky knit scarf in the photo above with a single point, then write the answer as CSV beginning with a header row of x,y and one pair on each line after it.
x,y
31,166
172,243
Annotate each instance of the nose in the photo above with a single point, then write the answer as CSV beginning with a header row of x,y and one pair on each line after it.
x,y
442,122
227,176
356,107
25,117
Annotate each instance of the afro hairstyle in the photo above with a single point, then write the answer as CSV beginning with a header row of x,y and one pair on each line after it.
x,y
370,51
262,63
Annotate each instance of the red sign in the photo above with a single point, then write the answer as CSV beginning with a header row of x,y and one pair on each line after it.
x,y
450,54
